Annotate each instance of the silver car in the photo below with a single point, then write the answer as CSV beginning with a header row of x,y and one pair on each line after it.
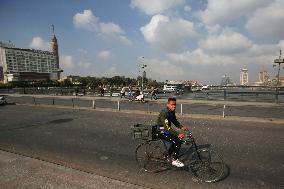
x,y
3,100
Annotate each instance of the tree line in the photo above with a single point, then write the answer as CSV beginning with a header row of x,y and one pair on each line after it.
x,y
88,82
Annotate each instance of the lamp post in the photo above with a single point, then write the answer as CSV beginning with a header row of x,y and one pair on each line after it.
x,y
143,66
278,61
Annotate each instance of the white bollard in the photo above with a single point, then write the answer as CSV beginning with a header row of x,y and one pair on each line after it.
x,y
118,106
181,113
94,107
224,107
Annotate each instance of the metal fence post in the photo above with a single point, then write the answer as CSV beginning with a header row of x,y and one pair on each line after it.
x,y
72,102
118,106
53,101
181,112
224,107
225,94
94,107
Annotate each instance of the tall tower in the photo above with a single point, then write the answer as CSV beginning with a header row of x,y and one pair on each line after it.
x,y
54,47
244,77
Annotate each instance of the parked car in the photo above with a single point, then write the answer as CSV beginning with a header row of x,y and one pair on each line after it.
x,y
3,100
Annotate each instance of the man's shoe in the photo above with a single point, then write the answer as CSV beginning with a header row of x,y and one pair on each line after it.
x,y
177,163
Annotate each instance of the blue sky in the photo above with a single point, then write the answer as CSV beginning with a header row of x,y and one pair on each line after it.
x,y
178,39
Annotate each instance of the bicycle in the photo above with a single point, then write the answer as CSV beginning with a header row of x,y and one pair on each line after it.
x,y
152,156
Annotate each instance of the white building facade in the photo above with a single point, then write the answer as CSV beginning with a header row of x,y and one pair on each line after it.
x,y
244,77
26,64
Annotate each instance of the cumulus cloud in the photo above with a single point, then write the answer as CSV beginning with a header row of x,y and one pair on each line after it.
x,y
151,7
187,8
104,55
199,57
281,44
168,34
40,44
112,71
163,69
268,21
228,42
84,65
88,21
256,54
223,11
66,62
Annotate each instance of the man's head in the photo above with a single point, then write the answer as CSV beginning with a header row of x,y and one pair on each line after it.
x,y
171,104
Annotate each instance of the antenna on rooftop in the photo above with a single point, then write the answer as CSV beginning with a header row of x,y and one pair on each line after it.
x,y
52,27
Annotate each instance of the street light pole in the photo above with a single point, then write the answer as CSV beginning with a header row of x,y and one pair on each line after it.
x,y
142,79
278,61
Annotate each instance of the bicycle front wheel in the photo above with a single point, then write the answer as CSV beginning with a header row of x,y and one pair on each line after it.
x,y
207,165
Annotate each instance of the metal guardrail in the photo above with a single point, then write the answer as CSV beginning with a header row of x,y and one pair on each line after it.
x,y
231,95
117,104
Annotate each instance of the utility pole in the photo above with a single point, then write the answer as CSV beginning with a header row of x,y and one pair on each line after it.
x,y
143,66
278,61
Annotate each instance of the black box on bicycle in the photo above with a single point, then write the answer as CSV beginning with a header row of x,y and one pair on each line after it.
x,y
142,131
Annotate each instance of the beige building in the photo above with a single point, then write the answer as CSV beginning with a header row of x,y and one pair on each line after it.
x,y
244,77
17,64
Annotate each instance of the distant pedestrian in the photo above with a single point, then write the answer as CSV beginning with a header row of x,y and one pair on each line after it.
x,y
102,91
122,92
154,94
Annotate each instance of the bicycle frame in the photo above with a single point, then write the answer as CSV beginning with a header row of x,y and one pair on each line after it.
x,y
185,143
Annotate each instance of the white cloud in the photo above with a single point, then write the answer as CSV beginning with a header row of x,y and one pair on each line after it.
x,y
151,7
84,65
104,55
187,8
124,40
268,21
66,62
86,20
223,11
228,42
110,28
256,54
90,22
83,51
163,69
199,57
40,44
168,34
281,44
112,71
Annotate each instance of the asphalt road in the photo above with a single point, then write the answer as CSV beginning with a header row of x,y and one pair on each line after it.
x,y
100,142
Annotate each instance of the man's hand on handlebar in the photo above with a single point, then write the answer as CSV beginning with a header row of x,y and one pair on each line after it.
x,y
181,135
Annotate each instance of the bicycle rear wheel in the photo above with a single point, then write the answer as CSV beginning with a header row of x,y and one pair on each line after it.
x,y
151,156
207,165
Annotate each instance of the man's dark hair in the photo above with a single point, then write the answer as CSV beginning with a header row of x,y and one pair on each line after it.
x,y
172,99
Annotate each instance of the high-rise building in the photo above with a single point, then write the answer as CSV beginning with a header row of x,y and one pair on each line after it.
x,y
17,64
144,74
244,77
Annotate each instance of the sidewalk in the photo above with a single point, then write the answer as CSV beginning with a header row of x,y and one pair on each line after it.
x,y
18,171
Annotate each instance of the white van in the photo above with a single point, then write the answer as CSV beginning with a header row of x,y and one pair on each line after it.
x,y
170,88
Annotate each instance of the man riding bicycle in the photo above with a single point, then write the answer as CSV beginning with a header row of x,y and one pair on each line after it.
x,y
166,132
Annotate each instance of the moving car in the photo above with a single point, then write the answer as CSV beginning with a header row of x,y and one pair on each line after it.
x,y
3,100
